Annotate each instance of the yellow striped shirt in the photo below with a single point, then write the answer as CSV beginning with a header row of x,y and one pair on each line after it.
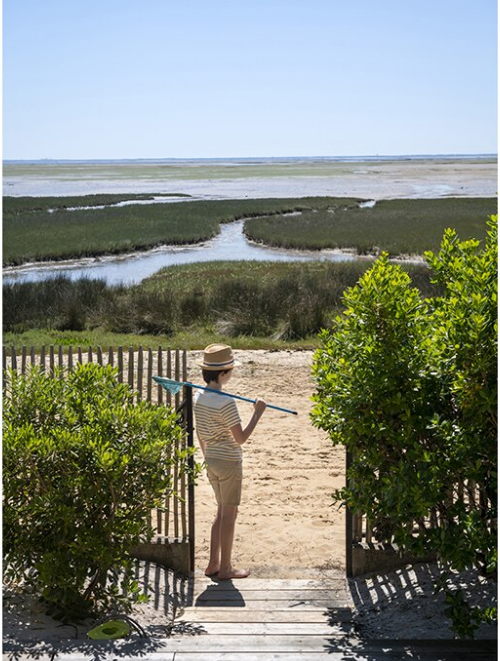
x,y
215,414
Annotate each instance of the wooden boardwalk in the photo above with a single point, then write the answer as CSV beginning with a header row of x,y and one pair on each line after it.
x,y
263,620
289,620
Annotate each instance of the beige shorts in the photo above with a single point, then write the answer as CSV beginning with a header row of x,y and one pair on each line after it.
x,y
226,478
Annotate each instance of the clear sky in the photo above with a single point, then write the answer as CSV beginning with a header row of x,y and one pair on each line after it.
x,y
90,79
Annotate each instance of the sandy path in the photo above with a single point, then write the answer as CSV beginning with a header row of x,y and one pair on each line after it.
x,y
286,523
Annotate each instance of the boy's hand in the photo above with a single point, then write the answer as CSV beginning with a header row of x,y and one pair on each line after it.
x,y
260,406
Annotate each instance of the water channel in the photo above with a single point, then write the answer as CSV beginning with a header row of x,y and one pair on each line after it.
x,y
229,244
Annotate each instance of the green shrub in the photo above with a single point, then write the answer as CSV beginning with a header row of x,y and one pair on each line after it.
x,y
82,468
409,386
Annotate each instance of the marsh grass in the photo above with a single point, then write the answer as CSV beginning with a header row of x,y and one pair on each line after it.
x,y
15,205
272,302
407,227
35,230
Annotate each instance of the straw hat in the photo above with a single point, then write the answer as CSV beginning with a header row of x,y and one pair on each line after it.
x,y
218,357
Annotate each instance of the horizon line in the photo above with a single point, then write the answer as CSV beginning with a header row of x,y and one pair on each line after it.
x,y
250,158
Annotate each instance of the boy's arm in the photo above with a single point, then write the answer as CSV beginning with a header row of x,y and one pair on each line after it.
x,y
242,435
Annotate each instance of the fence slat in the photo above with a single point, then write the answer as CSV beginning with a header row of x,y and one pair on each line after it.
x,y
60,360
149,379
159,363
140,371
23,359
52,360
13,358
120,364
131,367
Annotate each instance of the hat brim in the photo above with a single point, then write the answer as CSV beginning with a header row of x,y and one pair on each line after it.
x,y
223,368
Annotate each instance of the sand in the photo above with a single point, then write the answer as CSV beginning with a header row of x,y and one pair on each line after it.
x,y
290,471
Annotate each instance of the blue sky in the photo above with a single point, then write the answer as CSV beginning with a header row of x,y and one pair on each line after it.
x,y
90,79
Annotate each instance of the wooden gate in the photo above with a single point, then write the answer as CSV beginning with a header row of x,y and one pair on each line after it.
x,y
365,552
174,527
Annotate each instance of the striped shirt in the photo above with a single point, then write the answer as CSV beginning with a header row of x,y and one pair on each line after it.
x,y
215,414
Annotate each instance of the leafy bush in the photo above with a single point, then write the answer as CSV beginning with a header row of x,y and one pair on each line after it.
x,y
82,468
409,385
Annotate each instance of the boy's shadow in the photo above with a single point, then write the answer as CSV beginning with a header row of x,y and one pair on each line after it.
x,y
220,594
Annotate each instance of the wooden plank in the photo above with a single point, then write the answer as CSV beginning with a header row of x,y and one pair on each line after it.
x,y
13,359
266,595
266,656
201,583
60,361
159,369
346,655
317,615
205,643
52,360
149,380
140,373
271,628
347,647
295,604
131,367
120,364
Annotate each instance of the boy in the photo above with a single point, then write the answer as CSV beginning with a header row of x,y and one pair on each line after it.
x,y
221,435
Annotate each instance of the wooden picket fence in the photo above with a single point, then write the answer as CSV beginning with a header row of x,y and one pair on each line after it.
x,y
360,532
136,368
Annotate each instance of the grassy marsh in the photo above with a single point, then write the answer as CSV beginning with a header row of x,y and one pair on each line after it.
x,y
407,226
37,232
261,304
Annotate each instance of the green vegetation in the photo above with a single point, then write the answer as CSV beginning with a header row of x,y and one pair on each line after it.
x,y
54,228
41,233
83,466
394,226
15,205
409,386
268,303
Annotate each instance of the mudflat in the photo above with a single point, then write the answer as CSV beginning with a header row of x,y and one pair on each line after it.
x,y
383,179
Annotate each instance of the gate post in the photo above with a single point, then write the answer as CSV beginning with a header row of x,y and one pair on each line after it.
x,y
190,444
349,528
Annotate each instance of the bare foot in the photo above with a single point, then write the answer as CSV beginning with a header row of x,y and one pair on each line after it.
x,y
211,571
234,573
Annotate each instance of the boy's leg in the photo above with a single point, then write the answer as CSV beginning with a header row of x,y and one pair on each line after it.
x,y
227,526
214,562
